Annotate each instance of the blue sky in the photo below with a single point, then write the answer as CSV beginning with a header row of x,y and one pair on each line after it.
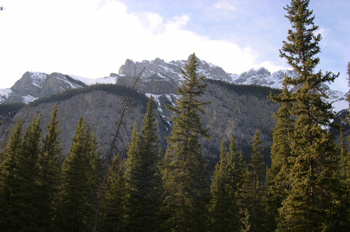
x,y
92,38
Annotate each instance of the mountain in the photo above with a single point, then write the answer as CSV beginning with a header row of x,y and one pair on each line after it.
x,y
239,103
158,77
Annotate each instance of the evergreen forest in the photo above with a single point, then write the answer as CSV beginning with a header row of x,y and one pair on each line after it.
x,y
306,187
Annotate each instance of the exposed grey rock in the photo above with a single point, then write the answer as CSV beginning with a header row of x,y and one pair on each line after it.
x,y
101,111
33,85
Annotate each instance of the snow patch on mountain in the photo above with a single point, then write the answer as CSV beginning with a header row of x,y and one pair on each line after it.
x,y
28,98
38,78
4,94
87,81
156,99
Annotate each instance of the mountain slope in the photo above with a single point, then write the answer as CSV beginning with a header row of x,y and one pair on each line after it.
x,y
158,77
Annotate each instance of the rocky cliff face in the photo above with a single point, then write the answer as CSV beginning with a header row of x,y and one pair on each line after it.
x,y
158,77
171,69
33,85
233,110
101,111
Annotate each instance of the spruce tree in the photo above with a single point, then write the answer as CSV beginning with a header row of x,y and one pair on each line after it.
x,y
49,174
113,204
222,206
256,175
276,176
77,183
227,184
9,212
142,176
312,201
186,179
21,192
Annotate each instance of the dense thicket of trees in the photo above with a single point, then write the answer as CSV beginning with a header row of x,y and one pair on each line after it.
x,y
306,188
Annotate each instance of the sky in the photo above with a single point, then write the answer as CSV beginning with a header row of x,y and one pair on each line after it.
x,y
93,38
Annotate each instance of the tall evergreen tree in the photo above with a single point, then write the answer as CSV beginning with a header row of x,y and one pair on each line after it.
x,y
9,212
256,176
227,184
276,176
22,191
186,179
49,174
312,202
142,176
113,204
222,206
77,185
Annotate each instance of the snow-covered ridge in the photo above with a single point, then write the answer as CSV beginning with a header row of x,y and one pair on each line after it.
x,y
87,81
38,78
170,71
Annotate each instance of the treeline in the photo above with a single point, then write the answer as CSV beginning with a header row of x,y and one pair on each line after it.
x,y
255,90
118,90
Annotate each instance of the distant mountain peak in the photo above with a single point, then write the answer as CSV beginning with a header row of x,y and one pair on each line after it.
x,y
165,75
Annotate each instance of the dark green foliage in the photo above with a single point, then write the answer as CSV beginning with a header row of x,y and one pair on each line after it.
x,y
142,176
255,90
28,174
49,174
10,109
110,88
313,198
276,176
186,180
9,213
19,176
112,207
79,182
256,176
227,190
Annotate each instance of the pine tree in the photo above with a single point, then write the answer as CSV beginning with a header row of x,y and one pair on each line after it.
x,y
21,188
77,182
312,202
276,176
49,174
256,176
142,176
32,149
112,208
226,189
186,179
222,206
9,219
96,163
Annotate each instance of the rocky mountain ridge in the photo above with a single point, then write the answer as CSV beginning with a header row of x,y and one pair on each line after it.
x,y
158,77
238,102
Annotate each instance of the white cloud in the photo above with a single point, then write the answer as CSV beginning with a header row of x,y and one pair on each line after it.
x,y
224,5
90,39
